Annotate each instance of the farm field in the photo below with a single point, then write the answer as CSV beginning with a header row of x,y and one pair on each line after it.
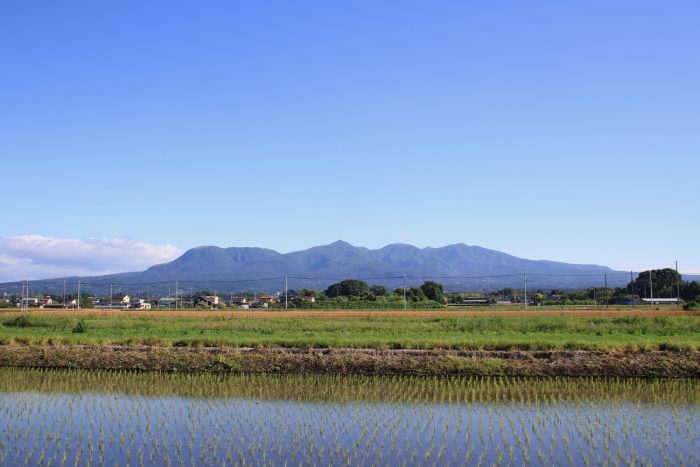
x,y
669,329
76,417
453,311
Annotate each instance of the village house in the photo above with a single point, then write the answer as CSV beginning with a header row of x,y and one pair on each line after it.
x,y
166,302
208,300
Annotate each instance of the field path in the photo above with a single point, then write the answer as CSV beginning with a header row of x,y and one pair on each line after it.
x,y
360,314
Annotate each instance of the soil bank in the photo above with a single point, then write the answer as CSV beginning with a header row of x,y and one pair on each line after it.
x,y
576,363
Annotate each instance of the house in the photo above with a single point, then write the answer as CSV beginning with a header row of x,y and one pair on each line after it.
x,y
42,302
253,304
289,296
267,299
238,300
117,302
140,304
29,301
208,300
166,302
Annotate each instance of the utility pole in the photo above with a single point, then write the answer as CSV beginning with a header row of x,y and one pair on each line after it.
x,y
607,296
176,295
651,290
111,296
595,296
64,294
24,297
632,293
79,296
286,291
405,303
525,276
678,286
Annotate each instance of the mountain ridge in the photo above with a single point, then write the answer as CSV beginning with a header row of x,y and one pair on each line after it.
x,y
458,266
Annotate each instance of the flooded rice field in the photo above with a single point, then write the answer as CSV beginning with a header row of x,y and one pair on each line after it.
x,y
51,417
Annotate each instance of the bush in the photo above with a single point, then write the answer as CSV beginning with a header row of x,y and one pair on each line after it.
x,y
80,327
19,322
692,306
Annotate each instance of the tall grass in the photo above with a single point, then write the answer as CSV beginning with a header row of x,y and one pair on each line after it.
x,y
449,332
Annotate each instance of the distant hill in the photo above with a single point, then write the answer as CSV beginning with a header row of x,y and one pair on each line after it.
x,y
458,267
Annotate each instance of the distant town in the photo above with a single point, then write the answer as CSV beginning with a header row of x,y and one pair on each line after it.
x,y
654,287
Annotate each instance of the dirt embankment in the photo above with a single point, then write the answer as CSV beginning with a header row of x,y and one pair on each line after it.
x,y
532,311
626,364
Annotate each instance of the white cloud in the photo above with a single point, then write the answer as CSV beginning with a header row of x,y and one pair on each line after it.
x,y
39,257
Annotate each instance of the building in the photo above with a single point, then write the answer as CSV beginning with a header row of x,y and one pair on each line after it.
x,y
117,302
660,301
238,300
28,301
166,302
267,299
289,296
208,300
140,305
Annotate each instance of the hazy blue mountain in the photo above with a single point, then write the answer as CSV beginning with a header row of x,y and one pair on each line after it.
x,y
458,267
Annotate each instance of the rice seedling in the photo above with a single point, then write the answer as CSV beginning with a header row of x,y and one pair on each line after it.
x,y
72,417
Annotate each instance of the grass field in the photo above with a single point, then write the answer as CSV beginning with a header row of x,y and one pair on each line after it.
x,y
470,330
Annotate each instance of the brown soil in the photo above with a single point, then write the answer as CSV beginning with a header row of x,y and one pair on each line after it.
x,y
363,314
625,364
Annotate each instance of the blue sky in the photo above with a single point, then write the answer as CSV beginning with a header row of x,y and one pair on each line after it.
x,y
548,130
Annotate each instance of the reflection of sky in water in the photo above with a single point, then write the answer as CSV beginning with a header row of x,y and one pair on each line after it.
x,y
115,428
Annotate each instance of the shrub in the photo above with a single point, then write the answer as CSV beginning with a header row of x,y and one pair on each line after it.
x,y
80,327
692,306
19,322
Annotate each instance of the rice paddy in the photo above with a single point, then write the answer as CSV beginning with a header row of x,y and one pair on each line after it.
x,y
71,417
446,331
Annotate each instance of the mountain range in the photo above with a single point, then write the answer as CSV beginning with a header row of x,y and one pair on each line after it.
x,y
457,267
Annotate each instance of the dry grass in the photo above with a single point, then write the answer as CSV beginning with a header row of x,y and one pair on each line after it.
x,y
358,314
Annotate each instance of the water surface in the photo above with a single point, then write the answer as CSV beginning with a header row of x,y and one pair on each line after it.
x,y
104,418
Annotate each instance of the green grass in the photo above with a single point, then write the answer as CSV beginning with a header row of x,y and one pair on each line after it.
x,y
445,332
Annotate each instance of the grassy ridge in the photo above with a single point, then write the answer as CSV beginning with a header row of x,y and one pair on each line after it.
x,y
560,332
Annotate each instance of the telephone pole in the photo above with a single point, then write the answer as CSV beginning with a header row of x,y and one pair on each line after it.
x,y
176,295
286,291
632,293
651,290
405,303
525,276
607,297
678,286
79,296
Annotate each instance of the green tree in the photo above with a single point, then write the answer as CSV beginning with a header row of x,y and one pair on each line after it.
x,y
378,290
334,290
348,288
433,291
690,291
86,301
415,294
664,282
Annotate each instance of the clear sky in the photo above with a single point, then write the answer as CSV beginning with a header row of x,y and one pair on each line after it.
x,y
549,130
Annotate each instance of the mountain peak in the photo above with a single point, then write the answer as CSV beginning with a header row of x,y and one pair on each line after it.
x,y
340,243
